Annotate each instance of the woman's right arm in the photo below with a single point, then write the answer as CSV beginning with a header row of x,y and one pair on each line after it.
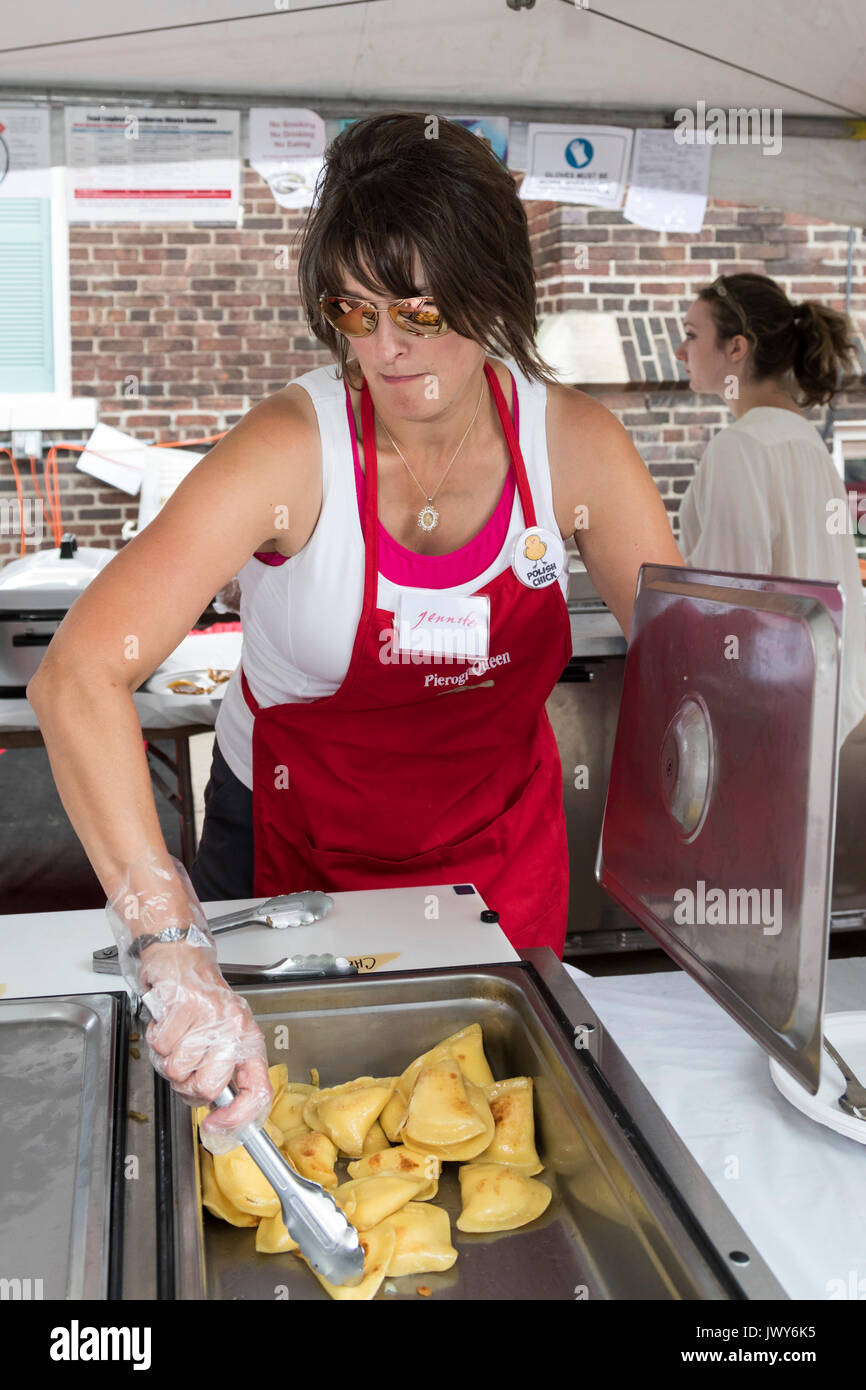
x,y
137,610
260,481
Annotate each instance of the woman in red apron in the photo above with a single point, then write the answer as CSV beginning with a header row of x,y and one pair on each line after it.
x,y
393,782
410,772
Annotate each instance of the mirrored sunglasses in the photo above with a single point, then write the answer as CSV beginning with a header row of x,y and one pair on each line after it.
x,y
357,318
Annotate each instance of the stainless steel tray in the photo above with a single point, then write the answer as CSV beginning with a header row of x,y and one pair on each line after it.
x,y
57,1082
617,1226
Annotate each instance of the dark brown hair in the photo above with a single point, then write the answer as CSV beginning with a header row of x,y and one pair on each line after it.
x,y
808,342
401,182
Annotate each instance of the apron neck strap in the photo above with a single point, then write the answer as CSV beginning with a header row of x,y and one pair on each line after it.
x,y
371,496
512,442
368,430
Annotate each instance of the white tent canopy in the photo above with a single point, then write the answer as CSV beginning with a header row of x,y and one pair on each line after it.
x,y
619,61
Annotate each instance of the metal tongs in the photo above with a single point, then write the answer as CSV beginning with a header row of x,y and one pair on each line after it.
x,y
310,1215
289,910
853,1098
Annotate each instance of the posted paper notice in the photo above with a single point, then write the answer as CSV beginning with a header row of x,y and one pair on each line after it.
x,y
577,164
669,183
286,147
153,164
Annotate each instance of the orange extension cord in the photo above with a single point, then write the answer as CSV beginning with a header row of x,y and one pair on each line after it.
x,y
51,501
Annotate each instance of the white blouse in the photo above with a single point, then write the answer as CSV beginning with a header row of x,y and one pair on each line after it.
x,y
759,505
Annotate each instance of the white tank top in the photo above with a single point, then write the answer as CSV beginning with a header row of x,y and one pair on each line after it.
x,y
300,618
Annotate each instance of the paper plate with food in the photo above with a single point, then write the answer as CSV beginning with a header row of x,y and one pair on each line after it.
x,y
208,682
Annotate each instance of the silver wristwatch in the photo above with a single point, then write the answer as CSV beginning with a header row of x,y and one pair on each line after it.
x,y
192,935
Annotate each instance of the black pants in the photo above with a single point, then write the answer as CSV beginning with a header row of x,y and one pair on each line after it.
x,y
223,866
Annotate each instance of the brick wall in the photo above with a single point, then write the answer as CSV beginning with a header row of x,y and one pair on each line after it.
x,y
593,259
202,322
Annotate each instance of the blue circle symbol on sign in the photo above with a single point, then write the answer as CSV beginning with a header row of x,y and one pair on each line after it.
x,y
579,153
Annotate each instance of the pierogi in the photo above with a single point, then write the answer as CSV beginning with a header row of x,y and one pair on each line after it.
x,y
314,1156
378,1246
467,1046
215,1200
367,1201
498,1198
448,1116
423,1243
513,1140
396,1133
346,1113
245,1185
406,1163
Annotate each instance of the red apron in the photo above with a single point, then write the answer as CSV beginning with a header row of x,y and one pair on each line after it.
x,y
394,782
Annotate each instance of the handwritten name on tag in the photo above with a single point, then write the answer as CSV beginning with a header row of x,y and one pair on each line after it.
x,y
444,627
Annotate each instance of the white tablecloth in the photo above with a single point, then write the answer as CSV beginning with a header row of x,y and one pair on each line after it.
x,y
797,1188
217,649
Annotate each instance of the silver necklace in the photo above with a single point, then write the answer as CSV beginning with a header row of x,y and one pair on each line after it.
x,y
428,517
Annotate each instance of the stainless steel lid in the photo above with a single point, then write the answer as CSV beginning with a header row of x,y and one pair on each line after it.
x,y
719,822
51,578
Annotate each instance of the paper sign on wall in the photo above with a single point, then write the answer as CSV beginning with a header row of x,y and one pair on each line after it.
x,y
25,152
577,164
153,164
669,183
286,147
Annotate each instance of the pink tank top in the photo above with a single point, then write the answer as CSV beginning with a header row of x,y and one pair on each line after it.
x,y
403,566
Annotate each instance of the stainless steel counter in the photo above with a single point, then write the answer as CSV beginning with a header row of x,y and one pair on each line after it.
x,y
596,633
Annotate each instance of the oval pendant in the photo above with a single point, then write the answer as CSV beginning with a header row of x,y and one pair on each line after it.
x,y
428,518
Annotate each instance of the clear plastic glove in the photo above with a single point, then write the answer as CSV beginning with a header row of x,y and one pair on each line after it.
x,y
205,1034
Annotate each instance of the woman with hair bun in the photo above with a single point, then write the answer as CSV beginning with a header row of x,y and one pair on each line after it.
x,y
762,500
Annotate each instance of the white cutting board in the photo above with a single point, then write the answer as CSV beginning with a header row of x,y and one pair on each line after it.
x,y
381,929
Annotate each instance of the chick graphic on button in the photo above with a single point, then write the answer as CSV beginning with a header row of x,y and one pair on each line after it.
x,y
535,549
538,557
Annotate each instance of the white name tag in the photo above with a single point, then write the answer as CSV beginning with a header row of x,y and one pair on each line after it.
x,y
444,626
